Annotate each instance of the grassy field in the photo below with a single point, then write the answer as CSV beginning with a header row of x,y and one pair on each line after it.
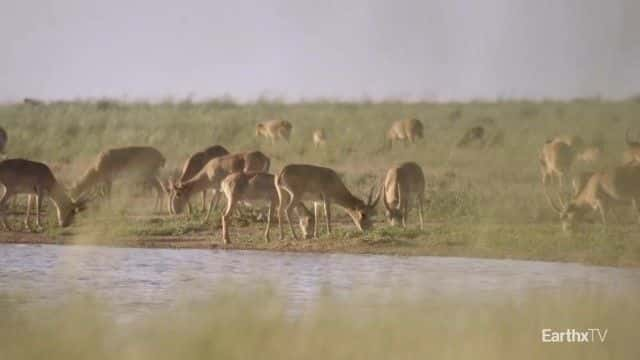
x,y
240,324
493,207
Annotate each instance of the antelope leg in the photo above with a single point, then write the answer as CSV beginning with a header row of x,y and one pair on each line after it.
x,y
27,216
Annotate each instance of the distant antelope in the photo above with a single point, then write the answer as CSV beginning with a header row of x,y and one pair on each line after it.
x,y
33,102
602,190
405,130
274,130
474,135
632,154
402,183
319,138
212,174
320,183
480,137
4,138
21,176
258,186
133,162
193,165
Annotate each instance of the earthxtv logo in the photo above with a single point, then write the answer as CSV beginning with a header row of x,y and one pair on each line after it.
x,y
574,335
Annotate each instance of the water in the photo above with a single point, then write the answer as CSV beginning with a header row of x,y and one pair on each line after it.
x,y
135,281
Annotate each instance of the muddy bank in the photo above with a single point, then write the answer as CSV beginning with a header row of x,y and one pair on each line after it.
x,y
617,246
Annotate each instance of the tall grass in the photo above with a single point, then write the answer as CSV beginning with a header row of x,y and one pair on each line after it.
x,y
243,325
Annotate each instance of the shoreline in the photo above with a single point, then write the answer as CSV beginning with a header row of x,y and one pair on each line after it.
x,y
482,241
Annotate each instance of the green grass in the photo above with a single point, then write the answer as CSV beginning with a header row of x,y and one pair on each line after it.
x,y
240,324
494,205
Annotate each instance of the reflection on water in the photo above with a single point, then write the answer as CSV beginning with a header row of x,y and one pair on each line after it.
x,y
136,280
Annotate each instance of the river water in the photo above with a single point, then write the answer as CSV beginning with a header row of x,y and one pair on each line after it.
x,y
136,281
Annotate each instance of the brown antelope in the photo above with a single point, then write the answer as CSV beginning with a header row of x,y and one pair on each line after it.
x,y
555,160
274,130
212,174
601,191
474,135
402,183
320,183
21,176
479,136
258,186
193,165
136,162
33,102
405,130
632,154
4,138
319,138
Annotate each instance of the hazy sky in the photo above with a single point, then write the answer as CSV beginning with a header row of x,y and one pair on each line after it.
x,y
432,49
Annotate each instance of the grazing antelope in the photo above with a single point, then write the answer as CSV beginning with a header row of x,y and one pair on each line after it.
x,y
632,154
319,138
602,190
137,162
320,183
4,138
212,174
401,184
497,139
474,135
21,176
258,186
405,130
193,165
274,130
479,136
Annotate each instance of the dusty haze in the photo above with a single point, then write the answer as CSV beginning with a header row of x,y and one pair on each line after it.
x,y
437,50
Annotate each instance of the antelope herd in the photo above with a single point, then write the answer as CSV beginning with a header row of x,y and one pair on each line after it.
x,y
244,177
593,191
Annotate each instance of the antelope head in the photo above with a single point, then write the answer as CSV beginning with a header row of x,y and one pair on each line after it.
x,y
307,223
394,214
178,199
364,213
68,212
